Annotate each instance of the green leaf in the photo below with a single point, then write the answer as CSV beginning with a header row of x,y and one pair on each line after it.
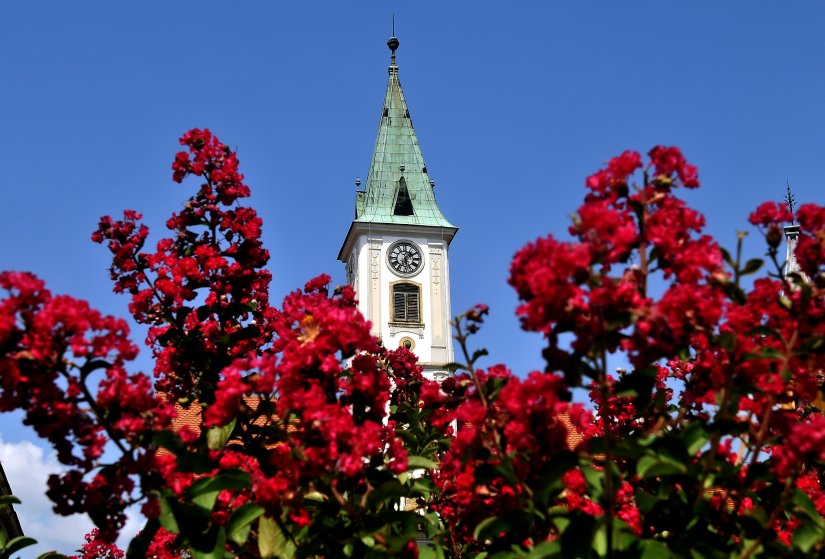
x,y
453,367
736,294
807,535
51,555
708,550
272,541
653,549
421,462
140,543
490,528
368,540
804,502
751,266
240,523
211,545
430,552
316,496
658,465
814,345
169,440
388,492
623,536
8,500
726,255
182,313
205,491
167,516
217,437
600,540
204,312
771,353
595,479
695,437
545,550
16,545
478,354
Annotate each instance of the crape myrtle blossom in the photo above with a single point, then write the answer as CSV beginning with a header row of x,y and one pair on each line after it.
x,y
746,365
296,396
290,430
50,347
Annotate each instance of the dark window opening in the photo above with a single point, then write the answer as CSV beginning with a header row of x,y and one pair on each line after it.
x,y
403,204
405,303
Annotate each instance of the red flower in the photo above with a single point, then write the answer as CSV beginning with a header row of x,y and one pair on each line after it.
x,y
769,213
669,160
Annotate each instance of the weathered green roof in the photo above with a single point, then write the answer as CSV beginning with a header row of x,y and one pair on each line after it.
x,y
398,188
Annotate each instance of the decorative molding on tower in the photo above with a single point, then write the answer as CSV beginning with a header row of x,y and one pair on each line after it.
x,y
375,284
438,304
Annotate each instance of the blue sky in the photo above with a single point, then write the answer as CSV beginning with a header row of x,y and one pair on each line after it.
x,y
514,105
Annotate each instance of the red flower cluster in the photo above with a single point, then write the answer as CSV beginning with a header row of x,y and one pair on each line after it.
x,y
743,361
329,384
95,548
568,286
204,291
49,347
810,248
667,161
310,426
503,446
303,390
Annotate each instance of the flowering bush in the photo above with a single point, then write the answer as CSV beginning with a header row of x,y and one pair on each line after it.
x,y
703,436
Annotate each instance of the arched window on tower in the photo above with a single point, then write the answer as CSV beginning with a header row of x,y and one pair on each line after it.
x,y
406,302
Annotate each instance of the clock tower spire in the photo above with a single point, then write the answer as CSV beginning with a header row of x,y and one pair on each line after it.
x,y
396,248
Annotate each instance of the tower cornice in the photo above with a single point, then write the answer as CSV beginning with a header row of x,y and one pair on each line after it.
x,y
359,228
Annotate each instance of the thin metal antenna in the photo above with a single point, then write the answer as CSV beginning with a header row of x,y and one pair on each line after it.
x,y
393,25
790,199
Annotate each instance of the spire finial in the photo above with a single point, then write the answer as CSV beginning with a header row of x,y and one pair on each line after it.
x,y
393,41
790,199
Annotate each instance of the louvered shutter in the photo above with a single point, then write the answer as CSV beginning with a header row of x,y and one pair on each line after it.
x,y
412,307
406,303
399,306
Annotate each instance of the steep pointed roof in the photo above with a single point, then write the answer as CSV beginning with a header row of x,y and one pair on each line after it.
x,y
398,189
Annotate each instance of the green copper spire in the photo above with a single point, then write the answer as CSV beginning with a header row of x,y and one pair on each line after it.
x,y
398,188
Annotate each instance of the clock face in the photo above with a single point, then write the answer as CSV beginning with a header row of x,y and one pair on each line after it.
x,y
404,258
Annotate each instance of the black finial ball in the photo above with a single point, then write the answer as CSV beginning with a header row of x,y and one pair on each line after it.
x,y
392,43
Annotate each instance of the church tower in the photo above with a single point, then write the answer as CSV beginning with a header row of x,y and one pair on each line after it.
x,y
396,250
